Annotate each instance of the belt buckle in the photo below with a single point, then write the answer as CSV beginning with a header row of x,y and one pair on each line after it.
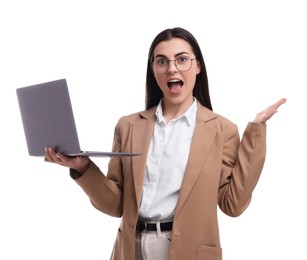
x,y
141,226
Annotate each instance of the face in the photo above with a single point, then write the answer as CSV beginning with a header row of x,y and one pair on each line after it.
x,y
176,82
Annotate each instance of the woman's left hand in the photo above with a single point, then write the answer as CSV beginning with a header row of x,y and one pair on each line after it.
x,y
266,114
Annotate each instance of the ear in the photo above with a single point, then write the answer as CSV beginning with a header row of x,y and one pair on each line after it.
x,y
198,69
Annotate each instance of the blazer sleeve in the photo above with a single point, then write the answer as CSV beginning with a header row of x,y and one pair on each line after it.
x,y
242,164
105,192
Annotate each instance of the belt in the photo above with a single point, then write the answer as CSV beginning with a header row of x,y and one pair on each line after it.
x,y
144,226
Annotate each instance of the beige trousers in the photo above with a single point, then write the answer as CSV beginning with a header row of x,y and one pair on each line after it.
x,y
152,245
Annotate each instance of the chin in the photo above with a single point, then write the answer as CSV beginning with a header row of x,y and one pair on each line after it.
x,y
176,100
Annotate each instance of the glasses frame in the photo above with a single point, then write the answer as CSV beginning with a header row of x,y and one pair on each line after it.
x,y
175,62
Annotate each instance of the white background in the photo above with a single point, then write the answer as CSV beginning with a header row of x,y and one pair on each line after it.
x,y
255,52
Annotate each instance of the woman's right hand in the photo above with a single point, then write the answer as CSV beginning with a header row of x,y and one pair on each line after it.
x,y
78,163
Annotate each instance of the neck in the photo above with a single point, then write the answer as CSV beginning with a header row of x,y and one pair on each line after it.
x,y
172,111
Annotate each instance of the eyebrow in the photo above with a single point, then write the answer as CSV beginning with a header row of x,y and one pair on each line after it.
x,y
176,55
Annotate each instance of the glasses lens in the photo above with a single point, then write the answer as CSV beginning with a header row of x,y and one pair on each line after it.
x,y
183,63
160,65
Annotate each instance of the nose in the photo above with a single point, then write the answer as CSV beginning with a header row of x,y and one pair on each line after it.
x,y
172,68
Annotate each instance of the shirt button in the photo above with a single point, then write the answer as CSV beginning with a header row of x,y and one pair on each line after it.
x,y
176,233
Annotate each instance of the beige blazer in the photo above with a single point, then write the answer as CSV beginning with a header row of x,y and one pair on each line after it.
x,y
220,170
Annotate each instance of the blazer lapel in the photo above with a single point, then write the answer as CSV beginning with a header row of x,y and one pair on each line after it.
x,y
201,143
142,132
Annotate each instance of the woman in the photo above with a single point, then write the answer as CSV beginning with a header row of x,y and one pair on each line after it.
x,y
192,160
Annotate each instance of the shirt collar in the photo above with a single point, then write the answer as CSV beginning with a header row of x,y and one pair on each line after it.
x,y
189,115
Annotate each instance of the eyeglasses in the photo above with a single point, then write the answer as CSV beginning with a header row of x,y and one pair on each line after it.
x,y
182,63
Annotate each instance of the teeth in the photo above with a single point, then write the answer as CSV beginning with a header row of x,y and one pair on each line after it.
x,y
174,80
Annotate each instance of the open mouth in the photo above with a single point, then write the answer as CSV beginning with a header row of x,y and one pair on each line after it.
x,y
175,86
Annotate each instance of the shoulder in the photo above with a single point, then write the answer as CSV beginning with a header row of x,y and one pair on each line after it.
x,y
216,121
208,116
137,117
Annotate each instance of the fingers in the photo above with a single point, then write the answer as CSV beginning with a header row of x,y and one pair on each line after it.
x,y
278,103
271,110
54,157
49,154
266,114
79,163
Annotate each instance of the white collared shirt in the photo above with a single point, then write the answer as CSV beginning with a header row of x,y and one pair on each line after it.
x,y
166,162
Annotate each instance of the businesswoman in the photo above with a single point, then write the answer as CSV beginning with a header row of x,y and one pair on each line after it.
x,y
192,160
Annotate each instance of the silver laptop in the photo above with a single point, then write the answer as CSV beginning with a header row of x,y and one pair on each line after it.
x,y
48,120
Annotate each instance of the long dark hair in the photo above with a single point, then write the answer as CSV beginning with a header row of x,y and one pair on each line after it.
x,y
201,89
